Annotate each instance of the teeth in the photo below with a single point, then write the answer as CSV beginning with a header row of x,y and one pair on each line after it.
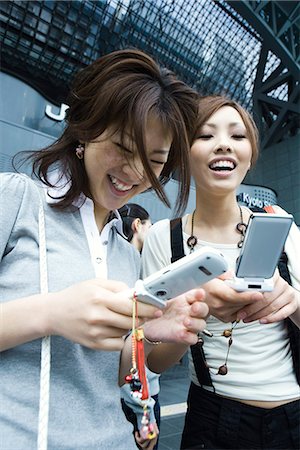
x,y
222,164
120,186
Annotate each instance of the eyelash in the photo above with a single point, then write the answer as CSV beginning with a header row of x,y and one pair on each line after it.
x,y
126,150
209,136
157,162
205,136
122,148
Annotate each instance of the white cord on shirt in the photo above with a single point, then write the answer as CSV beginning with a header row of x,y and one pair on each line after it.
x,y
42,440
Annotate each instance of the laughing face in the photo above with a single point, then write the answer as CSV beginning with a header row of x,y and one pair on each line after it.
x,y
221,154
115,170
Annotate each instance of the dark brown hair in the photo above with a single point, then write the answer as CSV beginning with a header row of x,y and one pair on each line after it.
x,y
129,213
120,90
212,103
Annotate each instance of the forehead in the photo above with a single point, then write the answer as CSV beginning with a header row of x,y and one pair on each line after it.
x,y
226,115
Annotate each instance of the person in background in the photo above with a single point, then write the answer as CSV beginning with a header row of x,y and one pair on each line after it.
x,y
66,269
136,223
244,373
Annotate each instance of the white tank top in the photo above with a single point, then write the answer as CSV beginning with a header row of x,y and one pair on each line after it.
x,y
260,365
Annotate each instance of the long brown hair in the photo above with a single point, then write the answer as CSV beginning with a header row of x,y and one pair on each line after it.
x,y
120,90
210,104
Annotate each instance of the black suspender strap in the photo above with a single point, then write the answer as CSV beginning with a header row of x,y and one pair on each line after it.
x,y
176,239
198,356
201,368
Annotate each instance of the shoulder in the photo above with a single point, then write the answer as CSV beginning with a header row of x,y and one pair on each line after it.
x,y
158,235
13,187
16,184
162,226
156,250
12,181
18,195
279,210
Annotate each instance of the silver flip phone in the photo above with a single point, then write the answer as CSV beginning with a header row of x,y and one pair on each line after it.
x,y
187,273
264,241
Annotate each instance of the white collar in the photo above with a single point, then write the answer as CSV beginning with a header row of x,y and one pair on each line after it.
x,y
61,186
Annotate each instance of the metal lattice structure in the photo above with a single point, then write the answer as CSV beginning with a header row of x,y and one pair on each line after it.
x,y
215,46
276,89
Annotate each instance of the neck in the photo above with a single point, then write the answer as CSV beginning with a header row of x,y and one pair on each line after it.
x,y
215,219
101,217
136,242
216,210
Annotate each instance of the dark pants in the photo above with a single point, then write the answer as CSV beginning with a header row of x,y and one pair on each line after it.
x,y
213,422
131,417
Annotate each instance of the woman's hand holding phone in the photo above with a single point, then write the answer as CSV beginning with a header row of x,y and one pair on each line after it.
x,y
282,302
182,318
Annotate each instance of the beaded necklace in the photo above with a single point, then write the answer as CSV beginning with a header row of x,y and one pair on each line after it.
x,y
227,333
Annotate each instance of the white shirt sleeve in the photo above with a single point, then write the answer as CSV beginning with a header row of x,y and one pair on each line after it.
x,y
156,252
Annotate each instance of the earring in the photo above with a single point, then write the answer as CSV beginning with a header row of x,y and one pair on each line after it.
x,y
79,151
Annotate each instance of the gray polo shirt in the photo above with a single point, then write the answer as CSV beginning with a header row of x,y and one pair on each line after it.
x,y
85,408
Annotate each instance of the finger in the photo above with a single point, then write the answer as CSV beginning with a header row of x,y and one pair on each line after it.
x,y
143,443
219,288
251,310
267,304
278,309
246,297
277,316
194,295
97,334
122,303
109,316
109,344
194,325
190,337
199,309
265,308
111,285
146,311
227,275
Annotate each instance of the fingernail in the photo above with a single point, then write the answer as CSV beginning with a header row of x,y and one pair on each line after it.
x,y
263,321
242,315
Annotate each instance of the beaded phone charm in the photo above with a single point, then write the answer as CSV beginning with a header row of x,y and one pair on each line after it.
x,y
137,377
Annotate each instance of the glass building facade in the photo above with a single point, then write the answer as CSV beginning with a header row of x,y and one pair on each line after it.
x,y
207,43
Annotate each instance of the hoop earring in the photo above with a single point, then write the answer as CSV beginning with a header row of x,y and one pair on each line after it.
x,y
79,151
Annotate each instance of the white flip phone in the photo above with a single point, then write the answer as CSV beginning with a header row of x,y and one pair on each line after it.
x,y
264,241
187,273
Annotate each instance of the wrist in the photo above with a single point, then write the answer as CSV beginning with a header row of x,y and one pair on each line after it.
x,y
150,341
151,337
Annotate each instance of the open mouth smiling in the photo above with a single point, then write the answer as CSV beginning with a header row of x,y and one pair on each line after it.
x,y
222,165
119,185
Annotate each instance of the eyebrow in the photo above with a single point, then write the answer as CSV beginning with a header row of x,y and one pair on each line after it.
x,y
232,124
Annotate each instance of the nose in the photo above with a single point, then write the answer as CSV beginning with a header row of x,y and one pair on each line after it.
x,y
223,145
134,169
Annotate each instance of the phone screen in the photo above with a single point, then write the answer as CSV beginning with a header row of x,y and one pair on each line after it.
x,y
264,241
